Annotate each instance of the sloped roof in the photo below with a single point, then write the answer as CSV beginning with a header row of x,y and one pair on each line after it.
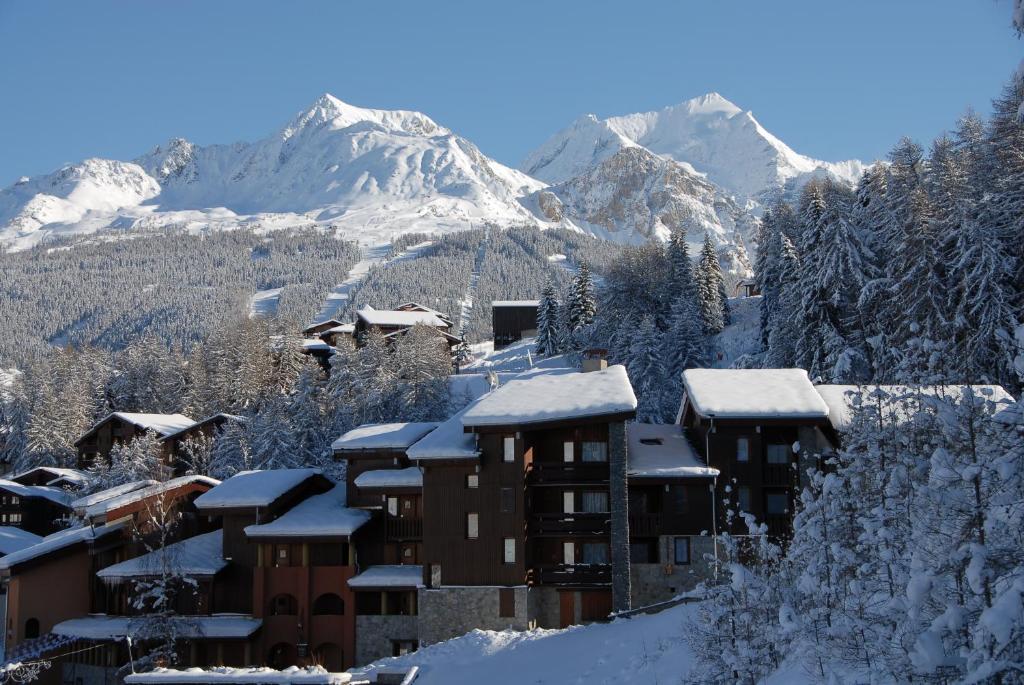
x,y
57,541
662,451
101,627
411,477
55,495
201,555
552,396
81,504
161,424
209,419
383,436
390,317
323,515
398,576
248,489
153,490
56,472
448,441
753,394
14,539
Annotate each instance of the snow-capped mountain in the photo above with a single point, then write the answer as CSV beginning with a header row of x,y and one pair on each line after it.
x,y
708,135
371,174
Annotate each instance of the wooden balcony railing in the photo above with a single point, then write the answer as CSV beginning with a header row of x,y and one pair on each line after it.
x,y
644,525
573,574
558,524
778,474
403,528
565,473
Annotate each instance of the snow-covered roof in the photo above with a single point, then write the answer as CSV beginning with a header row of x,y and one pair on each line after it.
x,y
383,436
200,555
515,303
81,504
404,576
316,344
14,539
842,399
57,541
343,328
56,473
753,394
154,490
161,424
422,308
553,396
248,489
317,324
389,317
323,515
256,675
55,495
662,451
101,627
411,477
209,419
447,441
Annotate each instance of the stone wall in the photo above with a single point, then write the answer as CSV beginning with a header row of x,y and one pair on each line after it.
x,y
545,608
650,582
374,635
618,459
447,612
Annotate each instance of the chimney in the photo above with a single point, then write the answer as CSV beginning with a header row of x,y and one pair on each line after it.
x,y
595,359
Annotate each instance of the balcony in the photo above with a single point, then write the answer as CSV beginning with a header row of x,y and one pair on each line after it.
x,y
778,474
398,529
574,574
568,473
560,525
644,525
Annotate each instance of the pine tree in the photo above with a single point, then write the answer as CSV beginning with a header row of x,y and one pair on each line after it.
x,y
547,323
647,372
785,327
710,288
582,303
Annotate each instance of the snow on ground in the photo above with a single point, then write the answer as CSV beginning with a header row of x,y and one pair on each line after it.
x,y
643,649
264,302
742,336
519,356
336,300
474,277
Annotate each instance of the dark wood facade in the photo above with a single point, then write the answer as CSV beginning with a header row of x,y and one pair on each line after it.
x,y
513,321
19,508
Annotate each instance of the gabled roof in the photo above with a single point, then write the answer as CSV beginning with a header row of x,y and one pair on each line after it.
x,y
321,516
752,394
317,324
348,328
388,576
60,540
662,451
383,436
252,489
411,477
446,335
161,424
154,490
81,504
201,555
554,396
220,416
55,495
390,317
14,539
416,306
55,472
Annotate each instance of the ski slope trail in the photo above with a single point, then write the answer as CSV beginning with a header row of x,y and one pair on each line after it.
x,y
340,295
263,303
474,278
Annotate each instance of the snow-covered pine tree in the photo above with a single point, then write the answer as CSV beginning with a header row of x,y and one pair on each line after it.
x,y
230,452
647,372
423,363
582,302
272,437
684,342
785,328
547,323
710,288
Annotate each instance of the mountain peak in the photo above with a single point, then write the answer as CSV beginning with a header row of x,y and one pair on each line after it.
x,y
709,103
338,114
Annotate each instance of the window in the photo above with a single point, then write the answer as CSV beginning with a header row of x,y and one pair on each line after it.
x,y
284,605
14,499
643,552
403,647
472,525
595,502
508,500
506,602
595,553
568,553
595,451
510,551
743,449
743,497
282,555
568,502
678,499
15,518
31,628
400,603
776,503
435,575
509,449
472,481
393,506
681,550
328,604
778,454
568,451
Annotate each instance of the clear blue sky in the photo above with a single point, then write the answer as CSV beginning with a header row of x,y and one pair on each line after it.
x,y
834,79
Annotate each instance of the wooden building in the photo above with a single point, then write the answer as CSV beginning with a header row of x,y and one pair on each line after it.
x,y
513,320
204,429
37,509
314,330
120,427
53,476
391,321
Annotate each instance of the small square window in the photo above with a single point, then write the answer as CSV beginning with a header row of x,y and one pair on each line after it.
x,y
743,449
509,453
472,525
743,495
393,506
778,454
568,451
681,550
568,502
595,451
510,551
776,503
472,481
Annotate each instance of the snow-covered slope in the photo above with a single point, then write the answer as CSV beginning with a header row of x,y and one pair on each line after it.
x,y
707,134
371,174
